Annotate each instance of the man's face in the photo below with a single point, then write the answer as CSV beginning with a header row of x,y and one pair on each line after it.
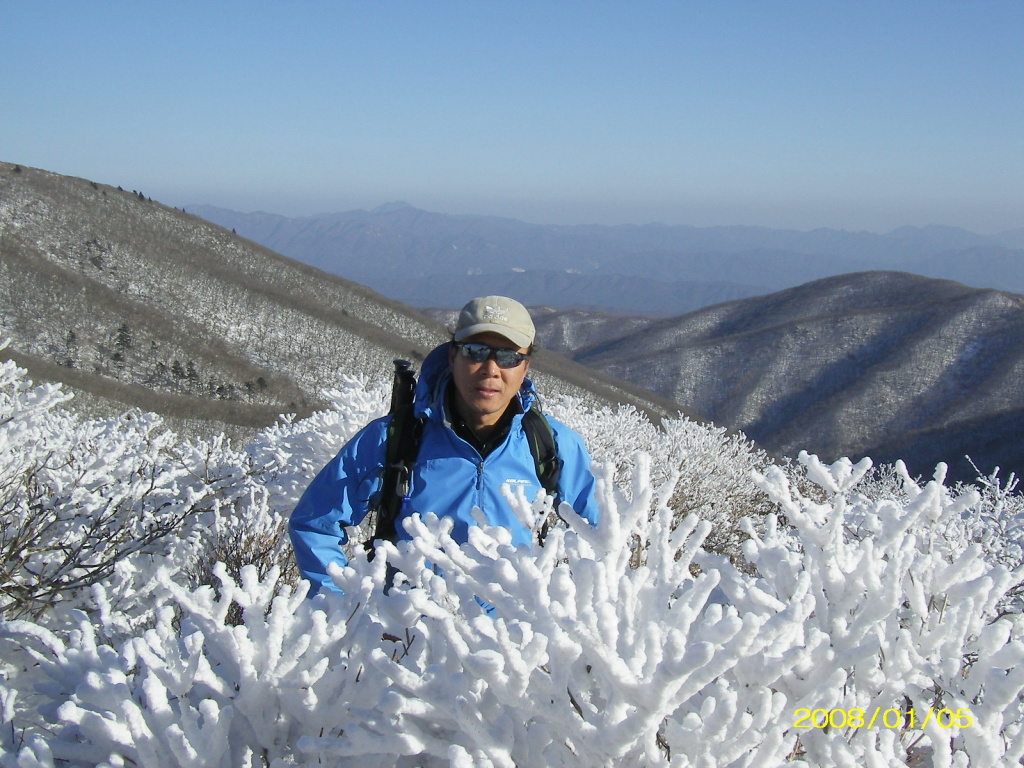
x,y
483,390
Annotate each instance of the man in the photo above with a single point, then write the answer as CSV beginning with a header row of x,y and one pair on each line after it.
x,y
471,394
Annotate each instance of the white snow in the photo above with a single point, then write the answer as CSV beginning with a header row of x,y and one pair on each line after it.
x,y
672,634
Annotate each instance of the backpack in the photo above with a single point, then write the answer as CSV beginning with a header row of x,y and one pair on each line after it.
x,y
402,445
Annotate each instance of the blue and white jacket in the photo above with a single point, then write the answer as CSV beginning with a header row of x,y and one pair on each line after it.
x,y
449,478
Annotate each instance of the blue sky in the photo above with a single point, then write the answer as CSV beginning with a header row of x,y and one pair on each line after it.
x,y
856,115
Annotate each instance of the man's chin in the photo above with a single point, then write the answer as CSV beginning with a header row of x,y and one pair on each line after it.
x,y
486,408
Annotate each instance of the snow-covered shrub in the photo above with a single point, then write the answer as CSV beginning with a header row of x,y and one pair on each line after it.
x,y
997,521
76,498
294,451
865,623
104,502
245,533
994,521
857,610
711,465
905,610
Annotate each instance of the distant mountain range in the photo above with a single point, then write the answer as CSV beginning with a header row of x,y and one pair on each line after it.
x,y
832,341
433,260
885,364
131,303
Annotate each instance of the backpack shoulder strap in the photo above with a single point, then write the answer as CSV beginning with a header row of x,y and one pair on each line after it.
x,y
545,452
545,457
402,444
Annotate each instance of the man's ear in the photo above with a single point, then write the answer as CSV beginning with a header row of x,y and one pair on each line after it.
x,y
452,352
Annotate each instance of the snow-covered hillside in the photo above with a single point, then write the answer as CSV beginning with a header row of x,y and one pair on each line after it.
x,y
133,303
725,612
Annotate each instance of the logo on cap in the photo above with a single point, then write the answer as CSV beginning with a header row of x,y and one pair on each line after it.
x,y
496,314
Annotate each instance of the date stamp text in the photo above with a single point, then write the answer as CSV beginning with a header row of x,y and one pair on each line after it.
x,y
881,718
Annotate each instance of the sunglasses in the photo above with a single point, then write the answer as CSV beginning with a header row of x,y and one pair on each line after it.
x,y
481,353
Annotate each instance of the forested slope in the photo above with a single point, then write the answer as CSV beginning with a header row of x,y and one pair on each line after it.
x,y
131,302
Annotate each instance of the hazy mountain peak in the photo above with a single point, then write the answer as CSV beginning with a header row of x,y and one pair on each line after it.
x,y
393,207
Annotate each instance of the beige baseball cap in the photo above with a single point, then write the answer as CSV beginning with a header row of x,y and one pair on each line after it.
x,y
498,314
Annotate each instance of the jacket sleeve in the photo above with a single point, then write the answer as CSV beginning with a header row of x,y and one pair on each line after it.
x,y
576,484
337,497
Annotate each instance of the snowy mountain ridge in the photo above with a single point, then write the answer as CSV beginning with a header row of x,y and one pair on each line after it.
x,y
130,302
887,365
882,364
